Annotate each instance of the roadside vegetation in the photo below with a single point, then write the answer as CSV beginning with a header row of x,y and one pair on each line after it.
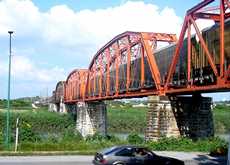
x,y
40,130
221,116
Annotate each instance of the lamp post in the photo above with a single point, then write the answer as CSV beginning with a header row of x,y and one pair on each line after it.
x,y
8,99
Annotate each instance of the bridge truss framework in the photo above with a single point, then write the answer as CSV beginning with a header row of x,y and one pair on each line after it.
x,y
106,79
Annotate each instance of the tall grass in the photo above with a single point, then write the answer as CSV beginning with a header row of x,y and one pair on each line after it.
x,y
126,119
41,130
221,115
37,125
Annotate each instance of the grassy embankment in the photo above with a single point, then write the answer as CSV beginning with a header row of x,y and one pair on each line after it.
x,y
221,116
41,130
128,120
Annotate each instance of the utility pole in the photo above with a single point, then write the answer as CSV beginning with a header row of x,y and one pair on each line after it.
x,y
8,99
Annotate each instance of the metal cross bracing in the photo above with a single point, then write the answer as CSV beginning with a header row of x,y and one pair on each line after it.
x,y
132,65
215,50
74,86
59,92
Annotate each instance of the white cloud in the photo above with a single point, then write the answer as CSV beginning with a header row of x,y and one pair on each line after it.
x,y
82,30
20,15
25,69
63,26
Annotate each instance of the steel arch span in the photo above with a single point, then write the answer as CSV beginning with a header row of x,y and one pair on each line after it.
x,y
133,65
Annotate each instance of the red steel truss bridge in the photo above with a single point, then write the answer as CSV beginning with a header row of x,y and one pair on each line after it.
x,y
132,65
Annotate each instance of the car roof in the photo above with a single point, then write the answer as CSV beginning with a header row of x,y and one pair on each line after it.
x,y
113,148
131,146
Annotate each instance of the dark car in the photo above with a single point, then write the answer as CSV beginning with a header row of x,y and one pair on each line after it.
x,y
132,155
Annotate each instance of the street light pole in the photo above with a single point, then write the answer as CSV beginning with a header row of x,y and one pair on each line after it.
x,y
8,100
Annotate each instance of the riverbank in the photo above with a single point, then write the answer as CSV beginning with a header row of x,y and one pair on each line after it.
x,y
122,119
40,130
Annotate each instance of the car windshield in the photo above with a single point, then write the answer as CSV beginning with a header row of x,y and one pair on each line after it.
x,y
108,150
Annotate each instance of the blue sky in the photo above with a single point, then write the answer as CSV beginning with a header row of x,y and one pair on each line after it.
x,y
53,37
99,4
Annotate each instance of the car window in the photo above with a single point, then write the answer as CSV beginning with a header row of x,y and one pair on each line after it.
x,y
143,152
107,151
126,152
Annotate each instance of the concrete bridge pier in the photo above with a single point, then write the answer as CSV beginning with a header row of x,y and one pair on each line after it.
x,y
186,116
53,107
58,107
62,106
91,118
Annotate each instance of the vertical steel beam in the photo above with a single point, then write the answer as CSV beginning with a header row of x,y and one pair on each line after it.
x,y
85,85
222,15
142,65
117,60
209,56
128,67
74,87
94,79
64,92
100,80
189,52
107,72
89,84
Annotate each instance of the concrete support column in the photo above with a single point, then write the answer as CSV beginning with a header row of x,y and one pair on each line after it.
x,y
179,116
160,119
62,106
53,107
91,118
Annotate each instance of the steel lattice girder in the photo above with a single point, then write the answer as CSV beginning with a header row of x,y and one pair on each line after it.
x,y
128,65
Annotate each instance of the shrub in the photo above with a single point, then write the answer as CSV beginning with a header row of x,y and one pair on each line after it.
x,y
71,135
218,146
1,137
98,138
186,144
170,143
19,104
135,139
219,151
113,138
40,125
95,137
1,140
27,134
123,119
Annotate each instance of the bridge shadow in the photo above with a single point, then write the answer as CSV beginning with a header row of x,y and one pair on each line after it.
x,y
193,116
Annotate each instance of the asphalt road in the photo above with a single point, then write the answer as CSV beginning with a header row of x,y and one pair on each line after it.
x,y
46,160
188,158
